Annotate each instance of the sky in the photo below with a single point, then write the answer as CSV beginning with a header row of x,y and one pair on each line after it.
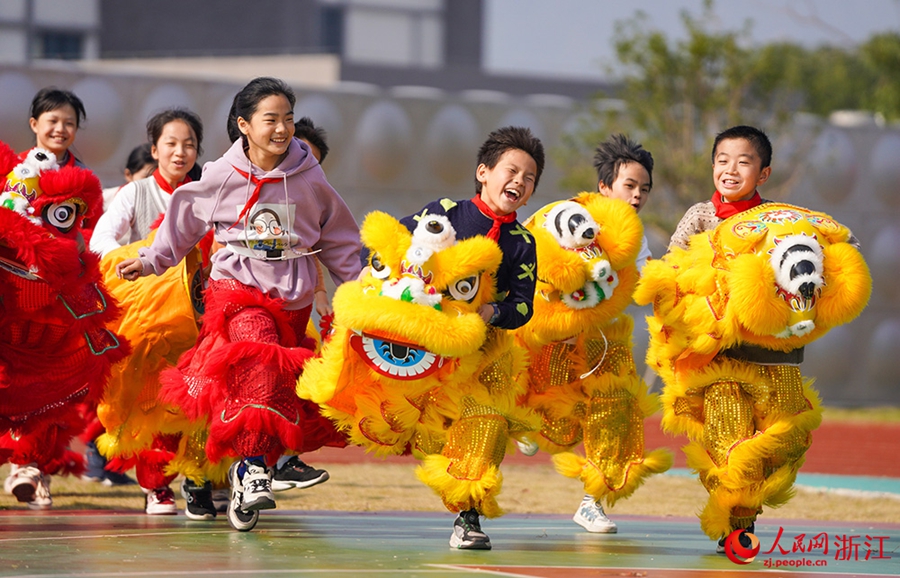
x,y
574,38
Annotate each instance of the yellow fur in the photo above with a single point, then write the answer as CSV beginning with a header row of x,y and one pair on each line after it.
x,y
472,380
581,370
722,293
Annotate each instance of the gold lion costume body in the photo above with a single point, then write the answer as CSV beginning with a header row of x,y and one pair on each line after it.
x,y
582,379
731,316
412,367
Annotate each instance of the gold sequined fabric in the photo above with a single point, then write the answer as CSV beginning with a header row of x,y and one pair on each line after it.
x,y
614,435
476,441
552,367
565,431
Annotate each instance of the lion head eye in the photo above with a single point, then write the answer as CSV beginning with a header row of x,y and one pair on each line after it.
x,y
465,289
61,215
379,269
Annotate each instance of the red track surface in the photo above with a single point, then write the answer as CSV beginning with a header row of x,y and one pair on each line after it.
x,y
843,448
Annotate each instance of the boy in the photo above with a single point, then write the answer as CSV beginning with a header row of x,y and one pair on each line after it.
x,y
741,158
290,471
510,163
625,172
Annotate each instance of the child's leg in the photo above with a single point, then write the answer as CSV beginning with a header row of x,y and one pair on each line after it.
x,y
728,422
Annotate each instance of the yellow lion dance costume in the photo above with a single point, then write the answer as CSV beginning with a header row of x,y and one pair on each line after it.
x,y
581,378
731,316
412,367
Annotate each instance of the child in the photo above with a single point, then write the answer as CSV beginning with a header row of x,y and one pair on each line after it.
x,y
269,204
290,471
728,332
140,164
741,158
510,163
153,323
56,115
175,136
625,172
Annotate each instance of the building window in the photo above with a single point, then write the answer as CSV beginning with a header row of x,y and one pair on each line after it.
x,y
60,45
332,29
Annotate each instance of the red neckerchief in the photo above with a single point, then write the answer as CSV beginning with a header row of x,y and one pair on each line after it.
x,y
164,184
494,233
255,195
725,209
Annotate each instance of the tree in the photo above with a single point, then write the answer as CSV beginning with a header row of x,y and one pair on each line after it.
x,y
675,96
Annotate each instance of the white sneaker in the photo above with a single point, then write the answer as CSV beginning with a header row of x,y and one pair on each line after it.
x,y
527,447
160,502
257,487
22,481
591,517
42,499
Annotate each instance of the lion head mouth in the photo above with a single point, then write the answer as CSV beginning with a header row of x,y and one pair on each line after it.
x,y
393,358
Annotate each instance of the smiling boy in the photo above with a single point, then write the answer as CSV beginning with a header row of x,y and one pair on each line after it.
x,y
510,163
741,158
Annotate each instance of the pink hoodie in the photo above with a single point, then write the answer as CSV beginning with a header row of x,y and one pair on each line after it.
x,y
296,214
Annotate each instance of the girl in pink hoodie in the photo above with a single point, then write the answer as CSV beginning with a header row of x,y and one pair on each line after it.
x,y
271,208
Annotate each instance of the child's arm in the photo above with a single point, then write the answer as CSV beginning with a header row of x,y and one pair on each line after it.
x,y
115,222
186,222
700,217
323,307
339,237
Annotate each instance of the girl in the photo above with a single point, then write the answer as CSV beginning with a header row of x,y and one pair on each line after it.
x,y
56,116
175,136
156,330
271,208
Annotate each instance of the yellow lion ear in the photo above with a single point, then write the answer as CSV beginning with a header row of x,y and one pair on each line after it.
x,y
382,233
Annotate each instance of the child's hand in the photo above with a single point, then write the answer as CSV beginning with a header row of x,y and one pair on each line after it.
x,y
129,269
487,312
323,307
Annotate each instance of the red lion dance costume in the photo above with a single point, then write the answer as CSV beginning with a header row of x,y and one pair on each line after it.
x,y
56,351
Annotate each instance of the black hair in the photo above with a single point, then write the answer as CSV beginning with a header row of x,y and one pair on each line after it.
x,y
247,100
304,129
139,158
617,151
158,121
507,138
753,135
51,98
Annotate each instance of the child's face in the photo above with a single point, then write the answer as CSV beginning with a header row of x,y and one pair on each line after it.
x,y
270,129
737,169
55,129
509,184
632,185
175,151
142,173
314,150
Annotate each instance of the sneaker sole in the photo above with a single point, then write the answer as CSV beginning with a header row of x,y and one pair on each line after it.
x,y
199,517
261,503
282,485
457,543
594,529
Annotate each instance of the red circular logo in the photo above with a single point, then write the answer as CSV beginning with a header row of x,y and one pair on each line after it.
x,y
737,552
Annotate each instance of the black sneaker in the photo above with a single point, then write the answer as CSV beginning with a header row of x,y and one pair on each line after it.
x,y
744,539
199,500
95,469
467,534
296,474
